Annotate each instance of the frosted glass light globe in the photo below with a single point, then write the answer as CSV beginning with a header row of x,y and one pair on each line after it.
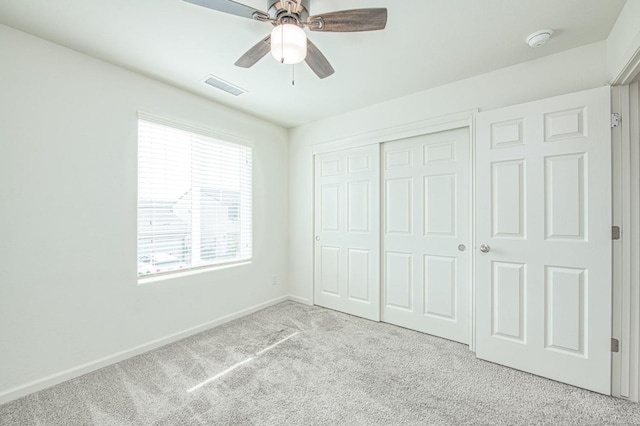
x,y
288,44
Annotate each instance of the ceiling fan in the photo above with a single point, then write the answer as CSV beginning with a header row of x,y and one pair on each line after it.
x,y
288,42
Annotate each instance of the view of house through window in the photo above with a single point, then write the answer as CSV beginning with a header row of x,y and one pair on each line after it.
x,y
194,199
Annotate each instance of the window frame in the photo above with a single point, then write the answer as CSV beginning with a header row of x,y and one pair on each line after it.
x,y
205,132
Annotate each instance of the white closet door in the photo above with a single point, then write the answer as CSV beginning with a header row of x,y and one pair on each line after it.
x,y
543,279
347,231
426,221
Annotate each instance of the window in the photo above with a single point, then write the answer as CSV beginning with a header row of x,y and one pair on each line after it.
x,y
194,197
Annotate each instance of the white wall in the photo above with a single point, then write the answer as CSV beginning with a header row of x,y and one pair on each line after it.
x,y
569,71
68,287
624,39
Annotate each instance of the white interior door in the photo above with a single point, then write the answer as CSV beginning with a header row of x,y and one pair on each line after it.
x,y
543,279
347,231
426,216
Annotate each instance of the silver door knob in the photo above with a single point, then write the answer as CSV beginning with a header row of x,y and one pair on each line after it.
x,y
485,248
317,237
462,247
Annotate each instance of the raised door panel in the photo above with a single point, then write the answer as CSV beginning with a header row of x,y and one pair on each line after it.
x,y
330,167
565,194
399,280
398,158
358,163
565,309
358,207
440,287
358,274
508,301
440,205
508,199
441,151
330,270
330,207
399,206
507,134
563,125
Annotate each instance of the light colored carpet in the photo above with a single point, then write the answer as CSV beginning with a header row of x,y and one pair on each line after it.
x,y
298,365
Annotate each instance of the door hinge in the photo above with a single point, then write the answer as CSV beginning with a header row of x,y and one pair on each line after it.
x,y
615,345
615,119
615,232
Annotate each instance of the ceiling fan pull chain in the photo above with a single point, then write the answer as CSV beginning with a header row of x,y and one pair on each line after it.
x,y
293,74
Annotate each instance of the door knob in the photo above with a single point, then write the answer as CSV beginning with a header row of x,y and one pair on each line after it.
x,y
462,247
485,248
317,237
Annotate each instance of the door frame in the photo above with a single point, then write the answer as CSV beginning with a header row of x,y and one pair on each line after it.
x,y
625,100
418,128
625,364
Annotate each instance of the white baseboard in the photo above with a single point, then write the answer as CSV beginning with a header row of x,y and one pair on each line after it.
x,y
299,299
71,373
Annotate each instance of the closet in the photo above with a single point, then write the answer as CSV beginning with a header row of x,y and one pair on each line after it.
x,y
503,244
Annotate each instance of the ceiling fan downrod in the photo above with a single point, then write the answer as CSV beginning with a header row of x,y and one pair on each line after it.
x,y
288,10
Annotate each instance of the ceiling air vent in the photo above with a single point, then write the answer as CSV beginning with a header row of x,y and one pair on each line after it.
x,y
219,83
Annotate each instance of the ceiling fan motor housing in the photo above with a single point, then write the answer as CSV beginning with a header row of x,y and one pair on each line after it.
x,y
279,10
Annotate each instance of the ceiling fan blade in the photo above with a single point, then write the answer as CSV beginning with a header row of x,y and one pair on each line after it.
x,y
256,53
231,7
317,61
350,20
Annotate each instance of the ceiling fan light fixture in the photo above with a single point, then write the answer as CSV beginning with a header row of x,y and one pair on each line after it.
x,y
288,44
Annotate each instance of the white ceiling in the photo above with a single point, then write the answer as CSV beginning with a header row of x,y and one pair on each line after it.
x,y
427,43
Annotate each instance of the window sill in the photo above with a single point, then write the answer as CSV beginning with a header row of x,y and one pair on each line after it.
x,y
191,271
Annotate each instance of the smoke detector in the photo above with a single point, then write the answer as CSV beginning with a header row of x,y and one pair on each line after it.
x,y
539,38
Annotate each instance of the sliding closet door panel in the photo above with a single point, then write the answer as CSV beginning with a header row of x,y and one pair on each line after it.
x,y
347,231
426,221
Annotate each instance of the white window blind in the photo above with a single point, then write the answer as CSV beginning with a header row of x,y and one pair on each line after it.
x,y
194,199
